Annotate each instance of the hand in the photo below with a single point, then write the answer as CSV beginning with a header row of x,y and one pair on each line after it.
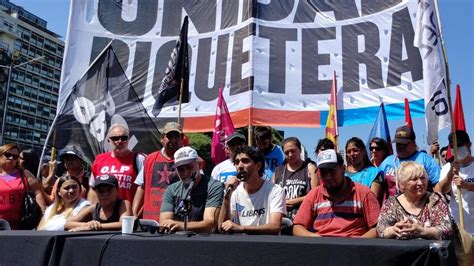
x,y
455,166
412,230
459,182
229,226
172,225
94,225
53,166
232,182
80,229
395,231
434,148
290,203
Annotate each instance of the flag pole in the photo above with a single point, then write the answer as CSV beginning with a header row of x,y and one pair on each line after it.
x,y
180,99
453,130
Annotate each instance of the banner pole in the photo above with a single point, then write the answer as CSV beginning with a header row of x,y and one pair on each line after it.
x,y
180,99
453,129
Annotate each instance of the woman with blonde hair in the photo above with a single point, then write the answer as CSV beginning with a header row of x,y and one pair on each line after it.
x,y
68,203
416,213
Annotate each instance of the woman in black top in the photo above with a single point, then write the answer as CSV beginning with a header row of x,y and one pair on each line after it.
x,y
296,176
104,215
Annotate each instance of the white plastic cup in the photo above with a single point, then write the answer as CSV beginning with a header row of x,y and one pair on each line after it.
x,y
127,225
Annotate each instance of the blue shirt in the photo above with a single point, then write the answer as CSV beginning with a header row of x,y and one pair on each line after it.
x,y
273,159
365,176
391,164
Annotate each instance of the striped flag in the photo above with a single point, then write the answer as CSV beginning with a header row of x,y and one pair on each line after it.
x,y
223,127
332,131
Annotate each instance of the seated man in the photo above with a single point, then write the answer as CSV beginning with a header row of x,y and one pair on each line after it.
x,y
206,195
257,206
340,207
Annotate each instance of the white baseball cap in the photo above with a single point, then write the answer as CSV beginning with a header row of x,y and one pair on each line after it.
x,y
185,155
327,159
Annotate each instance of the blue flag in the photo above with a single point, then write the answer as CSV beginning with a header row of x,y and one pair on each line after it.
x,y
380,128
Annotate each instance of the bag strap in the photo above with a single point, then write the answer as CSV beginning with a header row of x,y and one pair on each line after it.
x,y
25,184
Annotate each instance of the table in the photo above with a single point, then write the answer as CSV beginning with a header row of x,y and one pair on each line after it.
x,y
94,248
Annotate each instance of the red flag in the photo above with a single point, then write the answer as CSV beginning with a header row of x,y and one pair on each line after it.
x,y
223,127
458,116
331,123
458,113
408,121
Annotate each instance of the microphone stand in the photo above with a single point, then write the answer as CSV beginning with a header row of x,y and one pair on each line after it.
x,y
183,209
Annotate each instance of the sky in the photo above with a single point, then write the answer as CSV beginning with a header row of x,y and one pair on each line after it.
x,y
457,18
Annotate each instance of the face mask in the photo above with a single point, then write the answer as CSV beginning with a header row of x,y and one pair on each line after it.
x,y
188,180
463,152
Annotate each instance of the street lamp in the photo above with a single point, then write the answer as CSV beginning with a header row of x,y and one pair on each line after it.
x,y
7,90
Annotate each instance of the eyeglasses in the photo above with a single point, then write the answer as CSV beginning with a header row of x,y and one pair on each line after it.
x,y
377,148
117,138
9,155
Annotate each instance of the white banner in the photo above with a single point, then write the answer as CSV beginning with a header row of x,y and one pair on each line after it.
x,y
274,59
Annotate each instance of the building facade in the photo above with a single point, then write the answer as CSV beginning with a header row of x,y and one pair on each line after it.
x,y
34,56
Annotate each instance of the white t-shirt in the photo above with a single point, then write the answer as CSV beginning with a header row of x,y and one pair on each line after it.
x,y
57,222
255,209
223,171
467,174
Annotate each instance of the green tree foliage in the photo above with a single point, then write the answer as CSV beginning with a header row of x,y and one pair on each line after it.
x,y
202,144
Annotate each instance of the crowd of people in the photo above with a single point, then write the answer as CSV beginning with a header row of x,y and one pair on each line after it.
x,y
267,189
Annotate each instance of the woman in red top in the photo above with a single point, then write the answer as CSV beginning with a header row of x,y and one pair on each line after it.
x,y
12,188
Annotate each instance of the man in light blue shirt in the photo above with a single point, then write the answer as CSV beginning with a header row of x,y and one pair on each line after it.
x,y
407,151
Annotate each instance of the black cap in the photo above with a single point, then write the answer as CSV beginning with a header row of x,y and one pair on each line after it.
x,y
106,180
404,134
71,150
461,136
235,136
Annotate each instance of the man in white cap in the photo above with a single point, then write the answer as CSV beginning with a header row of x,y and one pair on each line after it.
x,y
158,173
226,169
205,196
338,208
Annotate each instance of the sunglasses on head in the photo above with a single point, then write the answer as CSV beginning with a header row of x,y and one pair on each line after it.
x,y
117,138
10,155
377,148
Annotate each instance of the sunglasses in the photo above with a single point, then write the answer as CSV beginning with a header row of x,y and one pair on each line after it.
x,y
9,155
377,148
117,138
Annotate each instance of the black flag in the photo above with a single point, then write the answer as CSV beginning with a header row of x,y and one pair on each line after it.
x,y
177,71
101,98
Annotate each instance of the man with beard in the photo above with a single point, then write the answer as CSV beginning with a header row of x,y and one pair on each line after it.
x,y
121,162
158,173
407,151
256,206
204,199
273,153
338,208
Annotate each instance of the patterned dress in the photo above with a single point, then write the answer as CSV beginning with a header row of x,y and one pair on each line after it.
x,y
435,213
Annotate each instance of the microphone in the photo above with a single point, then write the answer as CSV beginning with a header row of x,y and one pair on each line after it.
x,y
230,188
